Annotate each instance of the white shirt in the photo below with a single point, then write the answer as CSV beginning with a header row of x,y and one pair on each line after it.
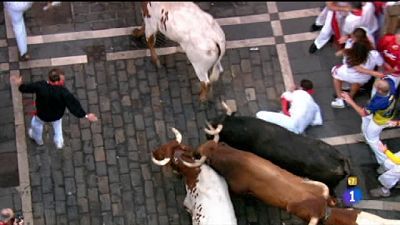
x,y
303,109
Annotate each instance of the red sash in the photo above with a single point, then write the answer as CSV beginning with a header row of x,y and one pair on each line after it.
x,y
335,27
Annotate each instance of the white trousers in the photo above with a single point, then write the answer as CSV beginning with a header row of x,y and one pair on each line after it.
x,y
16,10
37,130
279,119
389,178
326,31
371,132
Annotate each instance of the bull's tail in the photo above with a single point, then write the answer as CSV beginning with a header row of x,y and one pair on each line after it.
x,y
217,67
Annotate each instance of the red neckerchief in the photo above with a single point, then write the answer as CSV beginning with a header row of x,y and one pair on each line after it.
x,y
56,83
310,91
335,27
357,12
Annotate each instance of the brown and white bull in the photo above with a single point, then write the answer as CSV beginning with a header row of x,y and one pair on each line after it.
x,y
207,197
196,31
248,173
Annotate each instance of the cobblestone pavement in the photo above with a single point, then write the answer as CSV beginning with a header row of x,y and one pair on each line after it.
x,y
104,174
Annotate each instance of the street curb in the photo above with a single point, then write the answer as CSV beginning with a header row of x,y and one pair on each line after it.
x,y
24,187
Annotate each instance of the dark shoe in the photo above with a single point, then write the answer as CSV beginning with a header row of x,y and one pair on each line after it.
x,y
315,27
312,49
25,57
332,39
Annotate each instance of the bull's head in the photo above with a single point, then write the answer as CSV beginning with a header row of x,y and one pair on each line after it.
x,y
162,155
210,131
174,152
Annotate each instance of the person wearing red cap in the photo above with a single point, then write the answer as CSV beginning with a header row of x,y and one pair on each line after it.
x,y
299,109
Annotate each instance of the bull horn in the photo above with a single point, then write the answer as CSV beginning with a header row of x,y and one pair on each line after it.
x,y
226,107
178,135
197,162
213,131
160,162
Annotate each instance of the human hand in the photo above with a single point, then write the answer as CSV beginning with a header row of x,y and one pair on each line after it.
x,y
382,147
19,222
17,80
343,39
91,117
346,96
394,123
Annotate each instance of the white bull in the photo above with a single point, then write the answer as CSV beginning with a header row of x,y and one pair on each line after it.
x,y
199,35
209,202
207,196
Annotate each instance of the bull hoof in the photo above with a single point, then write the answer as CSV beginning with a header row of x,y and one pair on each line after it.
x,y
137,33
158,64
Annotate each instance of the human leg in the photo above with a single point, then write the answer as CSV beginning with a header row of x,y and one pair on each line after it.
x,y
18,24
58,135
36,130
371,133
279,119
338,102
388,180
326,31
354,88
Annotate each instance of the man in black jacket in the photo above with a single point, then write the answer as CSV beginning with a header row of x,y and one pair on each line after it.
x,y
51,100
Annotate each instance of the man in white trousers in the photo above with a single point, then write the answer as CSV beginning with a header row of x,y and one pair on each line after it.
x,y
302,112
376,115
329,21
15,11
391,175
51,100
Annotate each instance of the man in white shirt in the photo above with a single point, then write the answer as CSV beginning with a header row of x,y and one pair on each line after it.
x,y
302,112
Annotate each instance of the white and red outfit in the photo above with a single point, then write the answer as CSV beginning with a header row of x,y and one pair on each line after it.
x,y
348,74
303,112
361,18
390,51
331,22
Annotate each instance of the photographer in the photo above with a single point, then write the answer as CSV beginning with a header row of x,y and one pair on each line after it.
x,y
7,217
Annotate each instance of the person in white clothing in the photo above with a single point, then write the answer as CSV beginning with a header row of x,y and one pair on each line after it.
x,y
15,11
357,68
390,176
362,15
302,112
329,22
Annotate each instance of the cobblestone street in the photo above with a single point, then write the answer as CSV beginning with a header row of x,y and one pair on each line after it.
x,y
104,175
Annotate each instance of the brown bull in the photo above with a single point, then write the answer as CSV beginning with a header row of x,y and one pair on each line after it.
x,y
247,173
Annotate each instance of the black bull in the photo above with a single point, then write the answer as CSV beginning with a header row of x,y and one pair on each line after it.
x,y
299,154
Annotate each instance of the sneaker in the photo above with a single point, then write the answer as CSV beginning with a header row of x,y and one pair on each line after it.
x,y
315,27
30,133
381,170
25,57
313,48
338,103
59,146
378,192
